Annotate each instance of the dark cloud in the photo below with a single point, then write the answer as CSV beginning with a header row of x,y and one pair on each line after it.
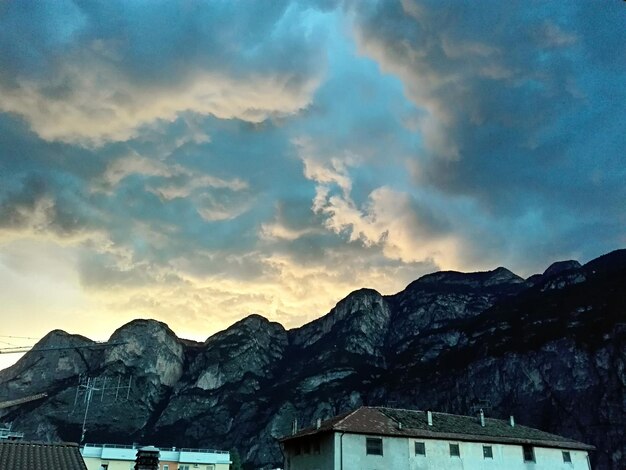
x,y
510,109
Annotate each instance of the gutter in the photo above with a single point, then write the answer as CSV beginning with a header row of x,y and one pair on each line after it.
x,y
341,451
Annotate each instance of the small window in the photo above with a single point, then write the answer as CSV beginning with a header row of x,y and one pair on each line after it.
x,y
166,467
374,446
104,466
455,450
420,448
488,452
529,454
567,458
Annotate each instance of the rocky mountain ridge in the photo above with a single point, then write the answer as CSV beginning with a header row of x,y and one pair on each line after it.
x,y
550,350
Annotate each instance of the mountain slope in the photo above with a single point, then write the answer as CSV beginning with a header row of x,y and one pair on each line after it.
x,y
550,350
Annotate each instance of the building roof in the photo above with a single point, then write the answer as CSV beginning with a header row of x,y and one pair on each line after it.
x,y
21,455
411,423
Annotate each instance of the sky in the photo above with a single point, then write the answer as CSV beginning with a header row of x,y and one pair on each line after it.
x,y
199,161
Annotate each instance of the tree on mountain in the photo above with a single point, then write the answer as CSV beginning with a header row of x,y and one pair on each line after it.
x,y
235,459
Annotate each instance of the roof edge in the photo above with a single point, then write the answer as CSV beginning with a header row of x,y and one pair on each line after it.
x,y
566,445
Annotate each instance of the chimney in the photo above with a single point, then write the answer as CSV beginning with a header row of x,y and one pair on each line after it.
x,y
482,418
294,426
429,416
512,421
147,458
318,423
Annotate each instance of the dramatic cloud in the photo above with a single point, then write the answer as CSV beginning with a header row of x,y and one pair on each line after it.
x,y
200,161
90,73
514,116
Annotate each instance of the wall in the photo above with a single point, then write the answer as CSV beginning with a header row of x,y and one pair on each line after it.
x,y
399,454
311,461
504,457
124,459
93,463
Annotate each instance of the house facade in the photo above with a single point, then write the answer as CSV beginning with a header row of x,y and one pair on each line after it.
x,y
384,439
122,457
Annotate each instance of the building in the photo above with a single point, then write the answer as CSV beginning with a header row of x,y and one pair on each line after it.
x,y
372,438
121,457
22,455
7,434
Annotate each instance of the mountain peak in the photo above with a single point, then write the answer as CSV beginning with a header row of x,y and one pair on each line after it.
x,y
139,325
254,322
495,277
561,266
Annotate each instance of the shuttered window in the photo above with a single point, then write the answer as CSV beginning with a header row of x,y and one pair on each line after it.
x,y
374,446
455,450
420,448
529,454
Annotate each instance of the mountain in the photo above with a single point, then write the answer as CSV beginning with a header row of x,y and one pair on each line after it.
x,y
550,350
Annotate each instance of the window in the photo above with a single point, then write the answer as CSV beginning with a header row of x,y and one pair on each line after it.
x,y
166,467
488,452
306,448
420,448
183,467
296,449
455,450
210,467
529,454
104,466
567,458
374,446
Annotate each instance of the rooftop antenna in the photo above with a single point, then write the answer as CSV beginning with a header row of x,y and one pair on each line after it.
x,y
104,390
481,405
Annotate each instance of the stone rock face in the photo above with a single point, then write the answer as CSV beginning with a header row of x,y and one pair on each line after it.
x,y
151,344
550,350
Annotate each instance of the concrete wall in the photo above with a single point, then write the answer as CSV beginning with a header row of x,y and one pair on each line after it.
x,y
395,454
399,454
93,463
505,457
312,461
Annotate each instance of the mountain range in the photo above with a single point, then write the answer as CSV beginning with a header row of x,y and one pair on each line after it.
x,y
549,350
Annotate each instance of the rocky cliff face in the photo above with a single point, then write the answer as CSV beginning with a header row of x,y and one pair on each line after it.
x,y
550,350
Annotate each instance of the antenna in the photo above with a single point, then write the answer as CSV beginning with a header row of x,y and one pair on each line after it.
x,y
104,390
481,405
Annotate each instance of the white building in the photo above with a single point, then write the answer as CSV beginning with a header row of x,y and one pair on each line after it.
x,y
122,457
391,439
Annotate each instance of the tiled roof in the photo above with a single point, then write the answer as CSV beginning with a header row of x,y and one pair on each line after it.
x,y
410,423
20,455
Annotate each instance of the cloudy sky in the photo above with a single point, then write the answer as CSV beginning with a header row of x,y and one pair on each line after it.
x,y
196,162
